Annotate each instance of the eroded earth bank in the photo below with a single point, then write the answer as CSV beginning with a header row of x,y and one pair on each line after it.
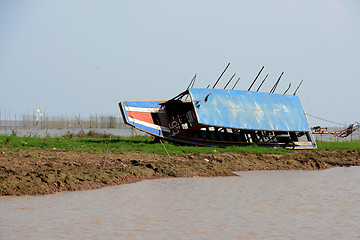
x,y
41,171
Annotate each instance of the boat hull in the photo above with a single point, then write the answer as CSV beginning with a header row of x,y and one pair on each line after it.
x,y
138,114
150,117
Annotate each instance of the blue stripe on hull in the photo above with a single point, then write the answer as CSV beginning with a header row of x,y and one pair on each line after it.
x,y
151,130
143,104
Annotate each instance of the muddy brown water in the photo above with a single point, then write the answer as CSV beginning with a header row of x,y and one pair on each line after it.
x,y
255,205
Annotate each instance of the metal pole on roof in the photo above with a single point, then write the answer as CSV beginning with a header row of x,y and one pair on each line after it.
x,y
255,78
191,84
298,87
235,84
230,80
287,89
262,82
276,84
192,81
221,75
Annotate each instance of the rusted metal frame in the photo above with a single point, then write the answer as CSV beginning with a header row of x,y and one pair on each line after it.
x,y
349,130
342,134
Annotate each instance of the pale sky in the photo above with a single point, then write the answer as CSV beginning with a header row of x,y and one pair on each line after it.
x,y
83,56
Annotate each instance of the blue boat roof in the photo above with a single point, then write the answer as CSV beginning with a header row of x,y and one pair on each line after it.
x,y
248,110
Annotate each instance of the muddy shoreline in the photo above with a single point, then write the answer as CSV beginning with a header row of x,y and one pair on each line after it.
x,y
40,171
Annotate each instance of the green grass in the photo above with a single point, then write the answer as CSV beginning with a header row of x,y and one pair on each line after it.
x,y
349,146
120,144
143,144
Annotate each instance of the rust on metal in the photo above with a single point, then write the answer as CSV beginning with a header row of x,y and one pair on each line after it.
x,y
342,134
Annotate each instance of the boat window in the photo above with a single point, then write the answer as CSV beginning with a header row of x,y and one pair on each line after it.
x,y
176,108
156,119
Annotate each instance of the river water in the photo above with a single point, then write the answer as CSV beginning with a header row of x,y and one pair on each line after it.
x,y
254,205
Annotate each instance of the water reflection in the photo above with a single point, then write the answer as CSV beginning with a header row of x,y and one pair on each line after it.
x,y
255,205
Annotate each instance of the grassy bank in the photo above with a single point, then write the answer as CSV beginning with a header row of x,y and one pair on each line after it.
x,y
99,143
92,142
34,165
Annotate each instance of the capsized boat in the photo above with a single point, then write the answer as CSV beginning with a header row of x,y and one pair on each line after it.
x,y
221,117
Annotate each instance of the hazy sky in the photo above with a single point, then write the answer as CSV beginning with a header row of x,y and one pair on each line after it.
x,y
83,56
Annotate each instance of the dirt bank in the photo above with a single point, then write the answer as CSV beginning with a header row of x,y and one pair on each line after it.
x,y
39,171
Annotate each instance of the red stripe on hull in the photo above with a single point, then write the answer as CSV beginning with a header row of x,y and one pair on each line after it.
x,y
142,116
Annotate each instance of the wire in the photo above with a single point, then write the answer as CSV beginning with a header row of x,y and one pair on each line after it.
x,y
324,119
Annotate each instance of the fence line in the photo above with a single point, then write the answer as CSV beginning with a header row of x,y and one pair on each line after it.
x,y
34,121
